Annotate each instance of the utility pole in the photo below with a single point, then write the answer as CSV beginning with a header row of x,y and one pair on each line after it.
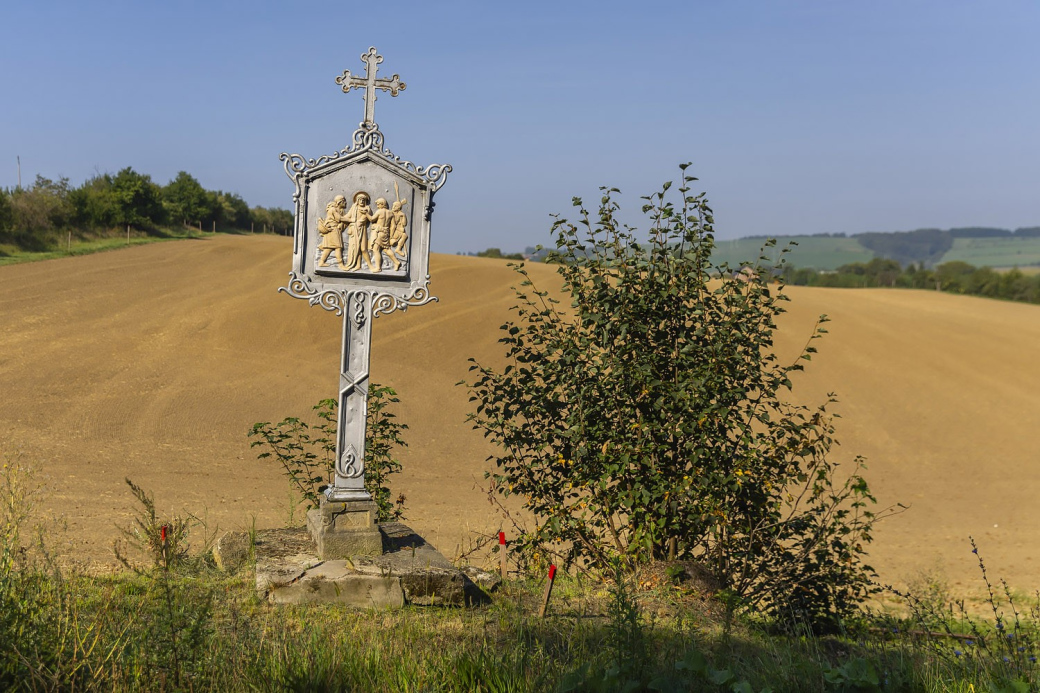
x,y
19,172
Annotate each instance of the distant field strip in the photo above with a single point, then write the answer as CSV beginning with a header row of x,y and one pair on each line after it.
x,y
816,252
995,252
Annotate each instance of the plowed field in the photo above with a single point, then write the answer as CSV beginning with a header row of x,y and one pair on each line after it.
x,y
153,362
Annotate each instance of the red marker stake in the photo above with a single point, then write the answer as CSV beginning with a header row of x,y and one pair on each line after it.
x,y
502,553
548,591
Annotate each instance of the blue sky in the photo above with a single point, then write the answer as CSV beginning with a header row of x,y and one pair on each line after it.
x,y
799,117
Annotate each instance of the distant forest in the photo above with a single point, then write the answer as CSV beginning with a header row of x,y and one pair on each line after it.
x,y
40,217
913,260
954,277
923,246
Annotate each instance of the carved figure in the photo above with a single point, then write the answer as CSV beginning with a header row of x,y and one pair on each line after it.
x,y
331,229
358,220
398,229
381,237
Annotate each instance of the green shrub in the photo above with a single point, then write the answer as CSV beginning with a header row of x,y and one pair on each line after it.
x,y
308,460
648,413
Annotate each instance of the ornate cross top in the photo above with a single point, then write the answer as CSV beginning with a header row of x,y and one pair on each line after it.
x,y
370,84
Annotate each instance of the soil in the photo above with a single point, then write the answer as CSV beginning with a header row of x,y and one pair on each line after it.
x,y
152,363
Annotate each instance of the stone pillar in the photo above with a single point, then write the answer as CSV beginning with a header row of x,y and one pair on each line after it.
x,y
344,525
349,477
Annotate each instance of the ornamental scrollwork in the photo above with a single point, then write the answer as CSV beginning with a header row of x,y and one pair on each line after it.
x,y
359,308
364,139
329,299
435,174
384,304
339,299
348,464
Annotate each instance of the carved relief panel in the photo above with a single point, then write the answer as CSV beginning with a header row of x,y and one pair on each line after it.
x,y
363,221
359,233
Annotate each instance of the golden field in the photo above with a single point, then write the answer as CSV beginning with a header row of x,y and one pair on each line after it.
x,y
153,363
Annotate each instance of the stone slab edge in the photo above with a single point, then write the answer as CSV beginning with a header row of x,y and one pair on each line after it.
x,y
289,571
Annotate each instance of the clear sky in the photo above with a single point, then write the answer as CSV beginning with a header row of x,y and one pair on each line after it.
x,y
799,116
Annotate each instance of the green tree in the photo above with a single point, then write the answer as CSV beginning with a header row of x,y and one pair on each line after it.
x,y
282,219
883,271
40,212
94,203
498,254
647,417
921,245
186,200
983,282
231,211
1017,286
137,200
271,219
952,276
6,213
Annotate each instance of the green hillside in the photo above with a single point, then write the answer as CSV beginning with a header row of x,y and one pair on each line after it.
x,y
995,252
831,252
816,252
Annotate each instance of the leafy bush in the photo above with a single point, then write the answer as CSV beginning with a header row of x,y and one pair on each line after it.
x,y
647,415
308,461
38,212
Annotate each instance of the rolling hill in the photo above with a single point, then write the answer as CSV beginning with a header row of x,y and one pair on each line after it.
x,y
831,252
153,362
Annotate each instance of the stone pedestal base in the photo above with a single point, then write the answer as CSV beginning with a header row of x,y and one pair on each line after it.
x,y
289,571
344,529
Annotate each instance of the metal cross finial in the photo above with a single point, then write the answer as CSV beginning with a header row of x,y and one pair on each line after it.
x,y
370,84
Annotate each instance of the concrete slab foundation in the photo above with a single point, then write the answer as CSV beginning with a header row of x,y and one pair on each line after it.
x,y
408,570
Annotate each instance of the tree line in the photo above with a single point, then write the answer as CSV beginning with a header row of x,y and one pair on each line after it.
x,y
955,277
924,246
39,217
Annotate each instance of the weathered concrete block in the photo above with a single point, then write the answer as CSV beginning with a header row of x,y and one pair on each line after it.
x,y
486,581
344,529
231,551
315,525
336,582
353,520
433,587
289,570
341,544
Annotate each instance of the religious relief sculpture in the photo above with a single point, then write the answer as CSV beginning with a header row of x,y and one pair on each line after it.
x,y
380,241
358,219
398,226
331,230
375,240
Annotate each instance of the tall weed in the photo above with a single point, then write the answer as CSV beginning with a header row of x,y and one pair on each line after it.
x,y
49,641
174,625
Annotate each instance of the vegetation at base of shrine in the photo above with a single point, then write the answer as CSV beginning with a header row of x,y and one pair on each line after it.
x,y
47,215
643,417
307,453
179,624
